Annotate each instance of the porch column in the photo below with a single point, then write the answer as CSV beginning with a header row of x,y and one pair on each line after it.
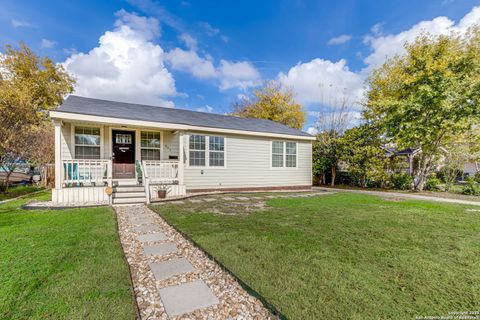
x,y
58,154
180,157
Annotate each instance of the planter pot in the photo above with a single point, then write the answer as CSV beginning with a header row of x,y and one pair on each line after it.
x,y
162,194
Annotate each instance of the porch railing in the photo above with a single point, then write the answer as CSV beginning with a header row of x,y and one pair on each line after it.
x,y
83,172
162,171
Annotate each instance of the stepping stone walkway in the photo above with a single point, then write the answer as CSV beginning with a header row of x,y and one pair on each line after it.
x,y
173,279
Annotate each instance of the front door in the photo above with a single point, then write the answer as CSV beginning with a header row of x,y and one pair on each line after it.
x,y
123,156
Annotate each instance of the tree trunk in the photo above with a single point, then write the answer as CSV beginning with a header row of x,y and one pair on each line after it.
x,y
334,175
423,172
324,179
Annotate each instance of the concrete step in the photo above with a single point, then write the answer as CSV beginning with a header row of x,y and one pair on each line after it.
x,y
129,189
140,194
125,182
128,200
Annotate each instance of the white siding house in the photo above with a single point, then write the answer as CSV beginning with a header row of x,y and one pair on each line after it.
x,y
137,150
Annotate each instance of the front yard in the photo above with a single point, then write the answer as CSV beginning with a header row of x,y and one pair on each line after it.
x,y
344,256
62,264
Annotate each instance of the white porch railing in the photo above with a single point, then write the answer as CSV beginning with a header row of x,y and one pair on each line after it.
x,y
162,171
159,172
83,172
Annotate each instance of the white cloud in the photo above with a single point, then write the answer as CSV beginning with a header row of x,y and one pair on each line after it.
x,y
20,24
206,108
240,74
344,38
126,65
322,81
190,61
208,28
383,46
189,41
46,44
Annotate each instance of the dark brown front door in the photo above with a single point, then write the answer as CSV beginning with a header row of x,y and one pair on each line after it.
x,y
123,157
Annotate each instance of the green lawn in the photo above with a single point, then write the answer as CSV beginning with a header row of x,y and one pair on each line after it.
x,y
62,264
345,256
16,191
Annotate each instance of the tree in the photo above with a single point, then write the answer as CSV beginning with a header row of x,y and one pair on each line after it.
x,y
362,151
427,96
272,102
30,86
331,125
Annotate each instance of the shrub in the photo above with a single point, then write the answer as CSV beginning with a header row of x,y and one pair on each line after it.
x,y
433,183
471,188
402,181
3,187
477,177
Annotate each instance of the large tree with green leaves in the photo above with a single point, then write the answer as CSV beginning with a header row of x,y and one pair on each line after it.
x,y
272,102
30,86
429,95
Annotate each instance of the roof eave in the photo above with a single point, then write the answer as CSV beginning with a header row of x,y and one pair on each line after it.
x,y
166,125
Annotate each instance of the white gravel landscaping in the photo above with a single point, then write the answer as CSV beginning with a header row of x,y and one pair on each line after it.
x,y
222,297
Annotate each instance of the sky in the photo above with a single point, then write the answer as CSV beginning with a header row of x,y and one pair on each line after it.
x,y
204,55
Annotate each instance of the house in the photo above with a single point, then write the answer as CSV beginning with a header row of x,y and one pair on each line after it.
x,y
139,149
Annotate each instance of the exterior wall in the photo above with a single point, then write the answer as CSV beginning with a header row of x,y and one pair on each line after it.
x,y
95,195
470,168
170,144
66,142
248,165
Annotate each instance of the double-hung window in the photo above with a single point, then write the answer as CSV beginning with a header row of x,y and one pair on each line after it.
x,y
277,154
87,143
150,145
284,154
197,150
216,147
206,151
291,154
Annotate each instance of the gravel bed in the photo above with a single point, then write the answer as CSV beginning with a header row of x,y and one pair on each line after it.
x,y
235,302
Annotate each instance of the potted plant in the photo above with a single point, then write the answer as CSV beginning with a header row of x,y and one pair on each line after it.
x,y
162,191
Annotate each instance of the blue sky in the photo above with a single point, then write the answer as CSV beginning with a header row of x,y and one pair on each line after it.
x,y
202,55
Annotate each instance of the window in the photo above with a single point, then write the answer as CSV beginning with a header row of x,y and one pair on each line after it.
x,y
291,154
87,143
206,151
150,145
277,154
284,154
196,150
123,138
216,148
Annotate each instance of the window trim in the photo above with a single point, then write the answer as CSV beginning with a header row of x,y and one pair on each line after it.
x,y
284,155
207,151
160,147
73,144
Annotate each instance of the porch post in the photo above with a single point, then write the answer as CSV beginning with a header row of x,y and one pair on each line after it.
x,y
58,154
180,158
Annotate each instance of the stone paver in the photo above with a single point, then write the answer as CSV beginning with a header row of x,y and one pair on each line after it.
x,y
146,228
159,236
242,198
166,269
195,201
160,249
228,198
177,202
210,199
187,297
142,220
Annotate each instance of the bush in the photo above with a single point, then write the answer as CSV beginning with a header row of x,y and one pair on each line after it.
x,y
3,187
477,177
472,188
402,181
433,183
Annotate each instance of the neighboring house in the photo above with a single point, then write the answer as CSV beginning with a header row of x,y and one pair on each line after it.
x,y
138,149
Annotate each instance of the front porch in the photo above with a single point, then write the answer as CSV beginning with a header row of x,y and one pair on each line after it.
x,y
92,160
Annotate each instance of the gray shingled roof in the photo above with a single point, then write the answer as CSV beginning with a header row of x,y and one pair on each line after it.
x,y
122,110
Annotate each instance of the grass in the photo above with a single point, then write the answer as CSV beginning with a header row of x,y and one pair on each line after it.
x,y
16,191
62,264
345,256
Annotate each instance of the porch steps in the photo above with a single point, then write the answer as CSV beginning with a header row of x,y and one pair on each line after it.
x,y
125,193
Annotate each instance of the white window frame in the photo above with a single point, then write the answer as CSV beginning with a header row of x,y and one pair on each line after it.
x,y
74,144
151,148
284,155
207,151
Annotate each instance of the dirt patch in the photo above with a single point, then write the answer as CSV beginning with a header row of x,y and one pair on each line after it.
x,y
393,199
